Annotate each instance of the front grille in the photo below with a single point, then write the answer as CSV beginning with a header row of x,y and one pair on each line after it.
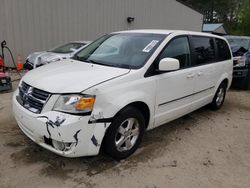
x,y
32,98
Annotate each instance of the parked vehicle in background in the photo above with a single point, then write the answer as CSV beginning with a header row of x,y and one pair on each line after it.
x,y
58,53
241,51
120,85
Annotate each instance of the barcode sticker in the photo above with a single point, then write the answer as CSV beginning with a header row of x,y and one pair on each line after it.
x,y
150,46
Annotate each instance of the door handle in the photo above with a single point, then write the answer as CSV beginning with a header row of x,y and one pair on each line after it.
x,y
190,75
200,73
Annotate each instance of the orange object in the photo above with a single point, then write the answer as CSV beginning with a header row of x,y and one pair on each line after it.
x,y
19,66
19,63
85,103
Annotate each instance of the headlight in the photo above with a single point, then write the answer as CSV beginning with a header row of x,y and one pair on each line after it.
x,y
240,61
76,104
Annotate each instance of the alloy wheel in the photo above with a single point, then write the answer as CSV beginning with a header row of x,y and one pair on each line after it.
x,y
127,134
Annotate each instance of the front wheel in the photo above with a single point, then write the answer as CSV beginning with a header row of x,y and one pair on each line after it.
x,y
124,134
219,97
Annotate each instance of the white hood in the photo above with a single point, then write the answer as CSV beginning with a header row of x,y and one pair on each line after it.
x,y
70,76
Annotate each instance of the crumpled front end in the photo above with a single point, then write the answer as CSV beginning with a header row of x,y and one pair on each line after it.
x,y
64,134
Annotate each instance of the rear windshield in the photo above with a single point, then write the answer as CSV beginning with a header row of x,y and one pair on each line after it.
x,y
67,48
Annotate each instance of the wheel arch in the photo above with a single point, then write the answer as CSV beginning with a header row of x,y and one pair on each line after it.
x,y
225,78
226,81
142,107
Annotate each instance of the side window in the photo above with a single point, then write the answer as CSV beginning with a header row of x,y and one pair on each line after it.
x,y
178,49
204,50
223,50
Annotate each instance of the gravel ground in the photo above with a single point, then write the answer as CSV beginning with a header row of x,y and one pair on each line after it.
x,y
202,149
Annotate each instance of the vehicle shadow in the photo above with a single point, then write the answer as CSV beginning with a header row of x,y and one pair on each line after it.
x,y
153,145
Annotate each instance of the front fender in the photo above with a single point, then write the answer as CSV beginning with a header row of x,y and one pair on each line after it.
x,y
111,107
111,101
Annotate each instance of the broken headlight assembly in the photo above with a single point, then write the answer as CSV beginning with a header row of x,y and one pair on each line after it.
x,y
75,104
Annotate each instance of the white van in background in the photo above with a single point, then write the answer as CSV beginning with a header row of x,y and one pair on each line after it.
x,y
119,86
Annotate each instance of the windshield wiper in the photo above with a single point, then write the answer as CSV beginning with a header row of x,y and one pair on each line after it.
x,y
98,63
76,57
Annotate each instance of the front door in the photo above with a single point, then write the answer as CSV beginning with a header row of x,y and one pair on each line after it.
x,y
174,89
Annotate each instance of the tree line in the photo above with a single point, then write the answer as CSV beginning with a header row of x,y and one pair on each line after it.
x,y
235,14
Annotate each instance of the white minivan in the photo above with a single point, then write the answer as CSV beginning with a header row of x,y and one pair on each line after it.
x,y
119,86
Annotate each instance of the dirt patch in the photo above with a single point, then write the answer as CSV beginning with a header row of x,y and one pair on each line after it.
x,y
14,144
56,170
59,167
55,166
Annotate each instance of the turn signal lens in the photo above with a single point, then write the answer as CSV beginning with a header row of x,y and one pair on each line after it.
x,y
85,103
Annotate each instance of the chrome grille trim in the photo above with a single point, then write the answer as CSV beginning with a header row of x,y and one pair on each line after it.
x,y
31,98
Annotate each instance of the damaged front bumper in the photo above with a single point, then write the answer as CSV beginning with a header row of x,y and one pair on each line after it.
x,y
64,134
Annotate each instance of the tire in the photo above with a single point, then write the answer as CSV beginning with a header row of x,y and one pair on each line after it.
x,y
121,140
219,97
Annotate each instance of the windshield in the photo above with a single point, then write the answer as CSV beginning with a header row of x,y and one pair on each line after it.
x,y
68,48
239,42
124,50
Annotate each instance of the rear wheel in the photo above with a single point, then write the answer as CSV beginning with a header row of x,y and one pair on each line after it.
x,y
124,134
219,97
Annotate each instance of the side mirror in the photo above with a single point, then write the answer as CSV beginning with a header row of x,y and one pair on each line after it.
x,y
169,64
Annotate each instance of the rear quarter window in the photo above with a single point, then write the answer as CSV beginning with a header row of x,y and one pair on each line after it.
x,y
223,50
